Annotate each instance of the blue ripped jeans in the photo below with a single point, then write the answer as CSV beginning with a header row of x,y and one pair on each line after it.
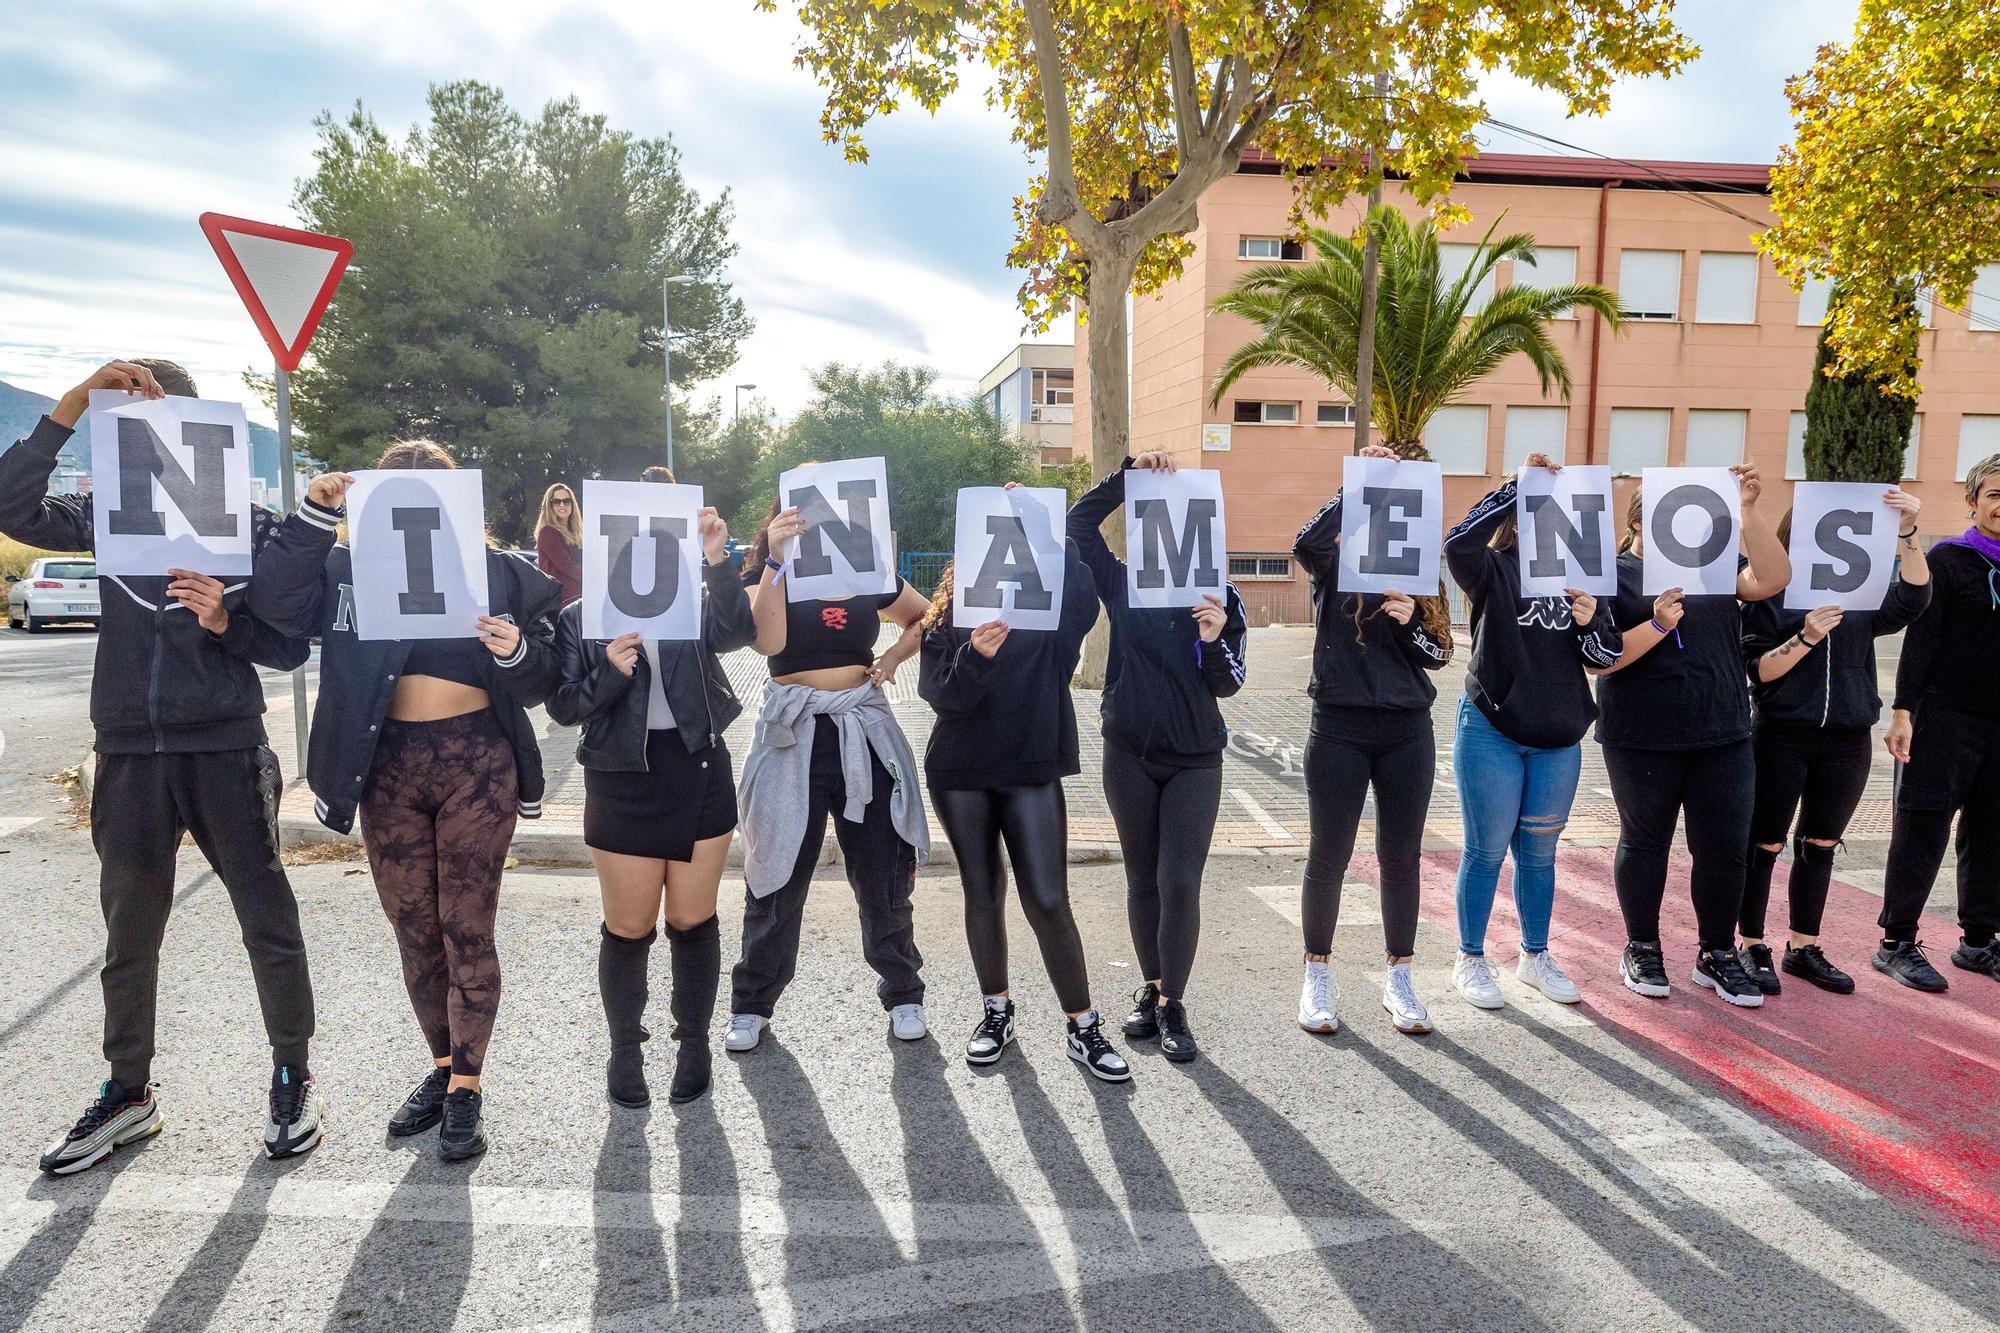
x,y
1511,796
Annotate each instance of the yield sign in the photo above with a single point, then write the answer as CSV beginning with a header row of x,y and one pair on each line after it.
x,y
285,276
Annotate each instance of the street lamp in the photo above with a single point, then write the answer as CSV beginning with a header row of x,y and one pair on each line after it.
x,y
739,402
667,353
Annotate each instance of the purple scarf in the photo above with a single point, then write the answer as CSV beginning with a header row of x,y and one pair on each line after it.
x,y
1978,541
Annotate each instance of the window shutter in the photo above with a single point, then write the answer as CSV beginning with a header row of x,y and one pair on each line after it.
x,y
1453,261
1913,451
1649,283
1715,439
1639,437
1534,430
1978,438
1554,266
1795,448
1726,288
1983,306
1812,301
1456,437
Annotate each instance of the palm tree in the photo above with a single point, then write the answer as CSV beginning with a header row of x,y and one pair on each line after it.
x,y
1429,348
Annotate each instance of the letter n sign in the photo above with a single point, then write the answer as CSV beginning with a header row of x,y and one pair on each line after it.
x,y
170,481
845,550
1176,542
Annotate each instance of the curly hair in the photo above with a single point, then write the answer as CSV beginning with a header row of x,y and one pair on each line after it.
x,y
939,611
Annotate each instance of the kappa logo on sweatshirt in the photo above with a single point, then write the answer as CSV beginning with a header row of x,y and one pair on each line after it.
x,y
1546,612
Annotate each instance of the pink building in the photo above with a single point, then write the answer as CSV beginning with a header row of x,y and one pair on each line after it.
x,y
1712,369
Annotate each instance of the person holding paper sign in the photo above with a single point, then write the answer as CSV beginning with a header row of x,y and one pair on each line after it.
x,y
430,741
659,809
177,709
1946,734
1163,740
1674,721
1517,753
1373,655
827,743
1813,685
1005,739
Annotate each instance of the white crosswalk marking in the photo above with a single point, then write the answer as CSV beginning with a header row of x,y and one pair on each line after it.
x,y
15,823
1260,814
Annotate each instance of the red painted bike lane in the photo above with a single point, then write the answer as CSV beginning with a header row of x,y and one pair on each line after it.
x,y
1899,1089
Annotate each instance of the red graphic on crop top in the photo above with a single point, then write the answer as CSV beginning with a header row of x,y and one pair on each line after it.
x,y
833,617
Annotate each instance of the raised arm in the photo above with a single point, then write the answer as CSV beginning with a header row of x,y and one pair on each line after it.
x,y
1085,527
768,605
28,513
1465,546
1770,567
727,622
288,589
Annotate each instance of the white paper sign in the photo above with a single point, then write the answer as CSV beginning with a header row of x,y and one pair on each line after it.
x,y
1391,525
641,560
1008,559
1691,517
170,481
844,551
1565,532
419,553
1176,544
1843,545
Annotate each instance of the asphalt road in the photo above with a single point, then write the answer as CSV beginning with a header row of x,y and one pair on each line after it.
x,y
1532,1169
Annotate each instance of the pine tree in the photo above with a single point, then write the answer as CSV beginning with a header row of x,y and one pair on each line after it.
x,y
1855,429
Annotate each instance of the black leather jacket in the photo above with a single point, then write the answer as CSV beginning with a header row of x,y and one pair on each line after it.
x,y
611,706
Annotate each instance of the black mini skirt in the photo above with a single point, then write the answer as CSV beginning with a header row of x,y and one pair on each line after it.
x,y
681,799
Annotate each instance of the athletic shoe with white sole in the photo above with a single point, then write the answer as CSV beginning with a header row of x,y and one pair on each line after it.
x,y
995,1033
1643,969
118,1117
1472,976
424,1107
1721,971
294,1125
745,1031
906,1021
1088,1047
1399,997
1317,997
1540,971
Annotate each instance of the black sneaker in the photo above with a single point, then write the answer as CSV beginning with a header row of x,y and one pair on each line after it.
x,y
1643,968
1721,971
1984,960
989,1041
1756,960
1144,1020
1905,961
1088,1047
1810,963
425,1105
1176,1042
294,1124
464,1132
119,1116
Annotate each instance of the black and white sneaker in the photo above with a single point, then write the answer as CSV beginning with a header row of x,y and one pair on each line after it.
x,y
1984,960
1089,1048
1905,961
1756,960
1812,965
425,1105
119,1116
1144,1020
464,1132
1176,1041
995,1033
294,1124
1721,971
1643,969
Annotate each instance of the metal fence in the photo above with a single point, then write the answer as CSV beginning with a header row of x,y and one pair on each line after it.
x,y
923,569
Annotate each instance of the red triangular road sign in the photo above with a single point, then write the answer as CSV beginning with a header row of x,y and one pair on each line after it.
x,y
285,276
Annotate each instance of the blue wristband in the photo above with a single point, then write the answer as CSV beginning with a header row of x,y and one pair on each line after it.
x,y
771,564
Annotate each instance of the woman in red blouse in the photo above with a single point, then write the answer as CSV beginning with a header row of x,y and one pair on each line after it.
x,y
559,541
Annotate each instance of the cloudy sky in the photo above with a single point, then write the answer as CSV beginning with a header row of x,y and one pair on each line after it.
x,y
118,129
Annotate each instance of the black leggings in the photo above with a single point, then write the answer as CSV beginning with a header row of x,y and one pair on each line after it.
x,y
1713,786
1033,825
1348,750
1954,768
1818,774
1165,817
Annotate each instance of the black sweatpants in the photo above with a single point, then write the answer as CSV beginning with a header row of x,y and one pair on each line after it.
x,y
1954,769
1714,788
1165,816
228,799
1818,774
1032,825
881,869
1348,751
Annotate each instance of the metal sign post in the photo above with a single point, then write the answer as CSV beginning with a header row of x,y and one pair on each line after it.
x,y
288,490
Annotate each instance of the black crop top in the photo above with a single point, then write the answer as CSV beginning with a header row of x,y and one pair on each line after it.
x,y
448,659
831,634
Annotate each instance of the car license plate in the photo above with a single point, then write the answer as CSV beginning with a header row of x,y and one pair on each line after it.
x,y
75,608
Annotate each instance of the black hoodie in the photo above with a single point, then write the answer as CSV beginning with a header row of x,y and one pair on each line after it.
x,y
1835,685
1381,665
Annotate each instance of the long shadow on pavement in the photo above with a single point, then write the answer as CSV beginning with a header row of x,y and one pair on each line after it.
x,y
633,1268
412,1269
37,1264
205,1279
707,1262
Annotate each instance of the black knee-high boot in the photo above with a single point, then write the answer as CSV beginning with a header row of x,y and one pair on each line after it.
x,y
621,980
697,961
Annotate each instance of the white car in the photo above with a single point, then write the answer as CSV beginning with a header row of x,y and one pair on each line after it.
x,y
55,589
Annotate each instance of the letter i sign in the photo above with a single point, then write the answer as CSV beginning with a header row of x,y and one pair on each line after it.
x,y
285,276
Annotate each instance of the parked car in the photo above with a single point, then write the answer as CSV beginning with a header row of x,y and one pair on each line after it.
x,y
54,590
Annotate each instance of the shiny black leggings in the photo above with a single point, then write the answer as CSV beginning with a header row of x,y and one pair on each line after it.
x,y
1032,825
1165,816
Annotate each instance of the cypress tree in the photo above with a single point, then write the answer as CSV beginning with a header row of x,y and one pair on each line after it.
x,y
1854,431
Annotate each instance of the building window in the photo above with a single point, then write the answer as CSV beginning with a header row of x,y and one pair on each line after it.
x,y
1456,437
1552,266
1453,262
1725,288
1715,439
1978,438
1649,283
1335,414
1812,301
1534,430
1253,413
1639,437
1260,567
1982,307
1913,451
1268,247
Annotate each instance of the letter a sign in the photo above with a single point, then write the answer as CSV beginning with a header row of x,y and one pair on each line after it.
x,y
170,480
285,276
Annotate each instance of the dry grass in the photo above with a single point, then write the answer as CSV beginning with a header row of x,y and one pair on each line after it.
x,y
69,782
323,853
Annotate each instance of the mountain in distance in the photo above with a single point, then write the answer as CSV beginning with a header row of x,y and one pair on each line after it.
x,y
20,409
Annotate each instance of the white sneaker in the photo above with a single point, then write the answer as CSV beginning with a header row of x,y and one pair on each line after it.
x,y
1472,977
745,1031
907,1022
1540,971
1399,997
1316,1000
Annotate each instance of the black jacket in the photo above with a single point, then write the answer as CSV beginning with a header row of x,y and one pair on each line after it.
x,y
1162,681
1007,720
1380,664
1835,685
305,586
611,706
162,684
1950,651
